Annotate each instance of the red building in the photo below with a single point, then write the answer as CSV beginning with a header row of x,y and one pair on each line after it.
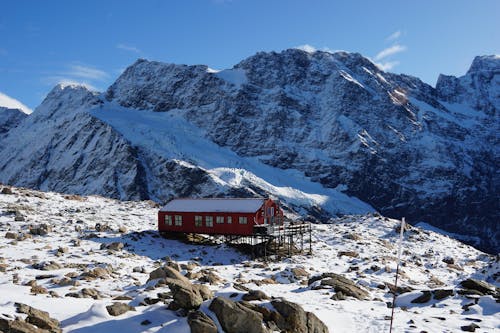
x,y
219,216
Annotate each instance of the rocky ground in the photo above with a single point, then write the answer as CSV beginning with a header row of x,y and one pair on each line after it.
x,y
92,264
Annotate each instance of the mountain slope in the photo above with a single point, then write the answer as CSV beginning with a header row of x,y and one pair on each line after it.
x,y
327,133
390,140
74,272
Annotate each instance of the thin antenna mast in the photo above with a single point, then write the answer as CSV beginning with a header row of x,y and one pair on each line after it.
x,y
400,243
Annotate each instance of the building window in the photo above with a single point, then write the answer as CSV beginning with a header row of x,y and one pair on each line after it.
x,y
178,220
229,219
209,221
242,219
220,219
168,219
198,221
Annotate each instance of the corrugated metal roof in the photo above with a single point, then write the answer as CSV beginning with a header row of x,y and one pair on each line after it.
x,y
214,205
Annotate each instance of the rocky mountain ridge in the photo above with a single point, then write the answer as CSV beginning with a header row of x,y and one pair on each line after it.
x,y
394,142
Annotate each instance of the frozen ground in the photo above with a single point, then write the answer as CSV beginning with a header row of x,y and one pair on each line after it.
x,y
361,248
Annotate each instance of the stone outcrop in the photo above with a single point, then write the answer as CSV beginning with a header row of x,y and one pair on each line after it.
x,y
340,284
38,318
236,318
201,323
118,308
297,320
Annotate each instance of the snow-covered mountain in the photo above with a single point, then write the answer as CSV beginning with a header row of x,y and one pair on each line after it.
x,y
11,113
327,133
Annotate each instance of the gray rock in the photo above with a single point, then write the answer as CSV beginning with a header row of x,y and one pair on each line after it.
x,y
118,308
469,328
201,323
297,320
424,298
39,318
341,284
236,318
255,295
483,287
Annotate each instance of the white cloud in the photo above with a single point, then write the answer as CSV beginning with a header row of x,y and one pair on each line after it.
x,y
389,51
395,35
307,48
388,65
128,48
87,72
11,103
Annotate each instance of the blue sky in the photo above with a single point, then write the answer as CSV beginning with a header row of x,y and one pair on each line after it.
x,y
46,42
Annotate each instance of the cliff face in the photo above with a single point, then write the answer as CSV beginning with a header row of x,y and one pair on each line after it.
x,y
392,141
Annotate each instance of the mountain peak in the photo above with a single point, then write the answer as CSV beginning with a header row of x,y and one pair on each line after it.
x,y
485,63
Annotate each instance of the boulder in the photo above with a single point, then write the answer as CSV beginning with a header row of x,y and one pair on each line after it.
x,y
7,190
255,295
10,235
115,246
236,318
204,291
39,318
184,295
40,230
201,323
167,272
442,293
118,308
483,287
469,328
297,320
18,326
424,298
342,284
299,273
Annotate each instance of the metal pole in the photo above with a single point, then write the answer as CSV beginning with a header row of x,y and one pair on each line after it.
x,y
400,243
310,238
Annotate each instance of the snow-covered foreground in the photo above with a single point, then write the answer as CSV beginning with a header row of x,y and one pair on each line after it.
x,y
362,248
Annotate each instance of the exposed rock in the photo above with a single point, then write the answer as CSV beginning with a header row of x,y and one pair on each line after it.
x,y
114,246
166,271
483,287
353,254
297,320
469,328
424,298
442,293
236,318
201,323
97,273
118,308
184,295
299,273
40,230
90,293
47,266
7,190
10,235
39,318
204,291
36,289
255,295
18,326
342,284
448,260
